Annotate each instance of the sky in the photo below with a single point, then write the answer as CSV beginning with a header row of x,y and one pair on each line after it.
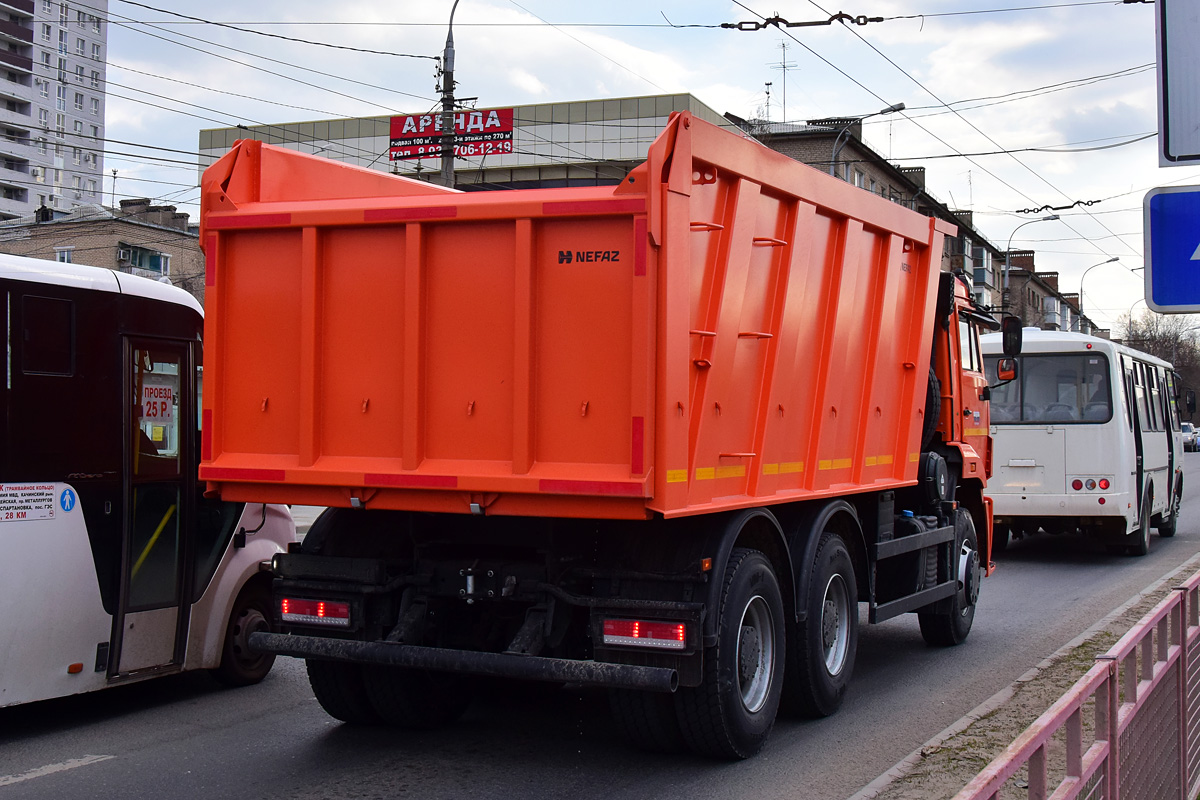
x,y
1011,106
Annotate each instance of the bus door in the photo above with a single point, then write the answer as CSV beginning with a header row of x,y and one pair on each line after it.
x,y
1134,399
150,627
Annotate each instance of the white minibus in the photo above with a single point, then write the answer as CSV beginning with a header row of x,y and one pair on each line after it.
x,y
1087,439
113,565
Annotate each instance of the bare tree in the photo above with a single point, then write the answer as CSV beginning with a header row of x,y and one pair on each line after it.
x,y
1171,337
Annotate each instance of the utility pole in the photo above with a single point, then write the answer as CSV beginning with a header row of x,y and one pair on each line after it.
x,y
448,105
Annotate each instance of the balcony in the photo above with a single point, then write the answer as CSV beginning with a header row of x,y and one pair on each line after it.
x,y
20,7
14,208
23,63
14,32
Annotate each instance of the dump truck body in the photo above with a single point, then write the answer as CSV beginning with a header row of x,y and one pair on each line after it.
x,y
587,420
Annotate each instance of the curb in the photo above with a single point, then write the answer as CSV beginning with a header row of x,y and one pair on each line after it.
x,y
906,764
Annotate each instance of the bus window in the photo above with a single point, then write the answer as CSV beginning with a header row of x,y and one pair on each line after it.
x,y
49,336
1060,387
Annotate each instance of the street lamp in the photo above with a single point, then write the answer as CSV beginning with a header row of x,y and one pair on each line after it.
x,y
1008,252
837,148
1085,274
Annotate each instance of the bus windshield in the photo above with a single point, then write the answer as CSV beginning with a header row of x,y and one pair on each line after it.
x,y
1055,387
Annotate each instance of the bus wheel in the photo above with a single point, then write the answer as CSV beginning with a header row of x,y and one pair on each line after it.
x,y
241,666
948,627
730,714
340,690
821,652
416,699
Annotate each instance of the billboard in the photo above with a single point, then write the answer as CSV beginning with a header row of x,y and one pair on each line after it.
x,y
476,133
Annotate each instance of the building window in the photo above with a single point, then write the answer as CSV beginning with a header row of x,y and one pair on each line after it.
x,y
77,183
62,70
45,89
92,187
42,145
60,125
79,101
81,18
61,95
96,52
43,118
64,254
95,131
96,24
95,106
80,47
859,179
79,74
64,14
45,31
79,127
47,6
143,261
95,78
38,175
46,60
62,42
76,156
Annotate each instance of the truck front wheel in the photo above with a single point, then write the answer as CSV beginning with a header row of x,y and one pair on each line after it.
x,y
950,625
730,714
821,653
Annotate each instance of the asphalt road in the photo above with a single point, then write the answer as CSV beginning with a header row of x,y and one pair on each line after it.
x,y
186,737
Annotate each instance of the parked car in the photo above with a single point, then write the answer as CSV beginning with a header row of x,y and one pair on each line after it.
x,y
1190,441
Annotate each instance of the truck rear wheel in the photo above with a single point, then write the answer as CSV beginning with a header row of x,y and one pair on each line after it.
x,y
822,650
340,690
730,714
950,626
648,719
415,698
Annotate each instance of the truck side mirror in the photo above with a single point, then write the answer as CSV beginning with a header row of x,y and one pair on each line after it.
x,y
1010,328
1006,368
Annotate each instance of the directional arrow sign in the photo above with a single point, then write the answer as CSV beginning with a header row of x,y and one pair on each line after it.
x,y
1172,231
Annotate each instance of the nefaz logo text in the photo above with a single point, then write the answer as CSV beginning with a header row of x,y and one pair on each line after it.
x,y
582,256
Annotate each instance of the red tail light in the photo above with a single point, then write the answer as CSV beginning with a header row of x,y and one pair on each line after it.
x,y
314,612
643,633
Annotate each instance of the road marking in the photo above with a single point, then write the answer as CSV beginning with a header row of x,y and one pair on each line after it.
x,y
50,769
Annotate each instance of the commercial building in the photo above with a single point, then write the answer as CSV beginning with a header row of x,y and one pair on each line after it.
x,y
52,97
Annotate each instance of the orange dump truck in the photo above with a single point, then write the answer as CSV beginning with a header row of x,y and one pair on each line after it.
x,y
661,437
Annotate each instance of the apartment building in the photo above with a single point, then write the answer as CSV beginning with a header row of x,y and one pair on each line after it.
x,y
52,97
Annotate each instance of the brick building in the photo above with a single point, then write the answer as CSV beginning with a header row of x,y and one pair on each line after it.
x,y
141,239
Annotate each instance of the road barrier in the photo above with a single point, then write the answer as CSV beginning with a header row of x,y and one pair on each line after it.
x,y
1128,729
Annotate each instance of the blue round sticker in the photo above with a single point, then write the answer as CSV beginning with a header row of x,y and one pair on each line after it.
x,y
67,499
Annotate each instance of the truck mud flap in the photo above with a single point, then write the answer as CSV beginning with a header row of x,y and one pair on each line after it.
x,y
501,665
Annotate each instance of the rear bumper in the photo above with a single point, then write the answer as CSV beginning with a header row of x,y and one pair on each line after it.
x,y
502,665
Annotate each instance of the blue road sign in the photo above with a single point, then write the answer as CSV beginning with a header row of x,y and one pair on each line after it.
x,y
1172,232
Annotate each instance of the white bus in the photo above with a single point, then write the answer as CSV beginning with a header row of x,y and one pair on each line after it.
x,y
1086,438
113,566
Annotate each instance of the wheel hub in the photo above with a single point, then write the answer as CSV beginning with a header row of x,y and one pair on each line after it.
x,y
749,653
829,624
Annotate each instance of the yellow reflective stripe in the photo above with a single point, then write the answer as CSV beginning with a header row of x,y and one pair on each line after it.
x,y
705,473
677,476
836,463
792,466
737,471
770,469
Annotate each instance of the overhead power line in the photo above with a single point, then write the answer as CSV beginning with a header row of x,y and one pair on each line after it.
x,y
276,35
